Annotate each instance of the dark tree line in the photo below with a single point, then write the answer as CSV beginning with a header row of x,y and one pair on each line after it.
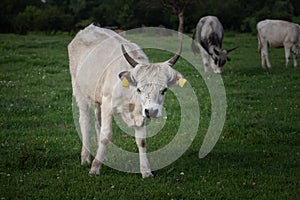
x,y
50,16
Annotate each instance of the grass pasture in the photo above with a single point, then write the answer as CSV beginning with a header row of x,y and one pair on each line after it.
x,y
256,157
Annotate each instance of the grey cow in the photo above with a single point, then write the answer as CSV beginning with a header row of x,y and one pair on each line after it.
x,y
278,34
209,36
115,76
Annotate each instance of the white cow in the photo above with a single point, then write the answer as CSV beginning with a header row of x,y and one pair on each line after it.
x,y
116,82
209,36
278,34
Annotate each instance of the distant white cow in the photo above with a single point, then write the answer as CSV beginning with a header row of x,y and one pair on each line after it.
x,y
278,34
209,36
115,81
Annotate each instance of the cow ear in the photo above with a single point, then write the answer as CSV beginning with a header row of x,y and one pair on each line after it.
x,y
127,79
177,80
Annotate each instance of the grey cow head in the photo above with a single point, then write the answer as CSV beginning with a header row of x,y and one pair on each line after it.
x,y
220,58
151,82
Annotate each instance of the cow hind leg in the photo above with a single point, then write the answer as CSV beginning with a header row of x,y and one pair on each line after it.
x,y
98,122
84,122
265,57
140,139
104,138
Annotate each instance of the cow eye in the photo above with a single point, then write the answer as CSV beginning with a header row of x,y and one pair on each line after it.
x,y
163,91
138,90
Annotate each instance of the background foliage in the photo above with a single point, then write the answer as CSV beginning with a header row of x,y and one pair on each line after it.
x,y
22,16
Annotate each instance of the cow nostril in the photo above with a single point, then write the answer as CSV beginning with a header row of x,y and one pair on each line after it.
x,y
151,113
147,113
154,113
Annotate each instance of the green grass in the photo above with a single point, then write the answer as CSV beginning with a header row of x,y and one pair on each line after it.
x,y
256,157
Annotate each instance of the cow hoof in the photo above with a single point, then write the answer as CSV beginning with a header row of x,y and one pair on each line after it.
x,y
95,169
147,175
85,157
85,161
94,172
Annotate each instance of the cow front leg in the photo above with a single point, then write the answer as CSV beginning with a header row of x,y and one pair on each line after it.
x,y
206,66
205,58
140,139
295,52
287,50
105,137
295,60
84,122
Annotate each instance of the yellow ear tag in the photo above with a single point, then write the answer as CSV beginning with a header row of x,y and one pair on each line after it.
x,y
181,82
125,83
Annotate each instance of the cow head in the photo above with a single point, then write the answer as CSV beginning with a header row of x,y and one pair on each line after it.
x,y
220,58
151,81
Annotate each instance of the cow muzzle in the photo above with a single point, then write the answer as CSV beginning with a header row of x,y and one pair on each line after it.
x,y
152,112
218,70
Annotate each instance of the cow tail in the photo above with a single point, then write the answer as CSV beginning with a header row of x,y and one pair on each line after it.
x,y
194,47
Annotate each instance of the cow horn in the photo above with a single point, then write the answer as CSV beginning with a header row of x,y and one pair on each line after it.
x,y
129,59
171,62
229,50
217,52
